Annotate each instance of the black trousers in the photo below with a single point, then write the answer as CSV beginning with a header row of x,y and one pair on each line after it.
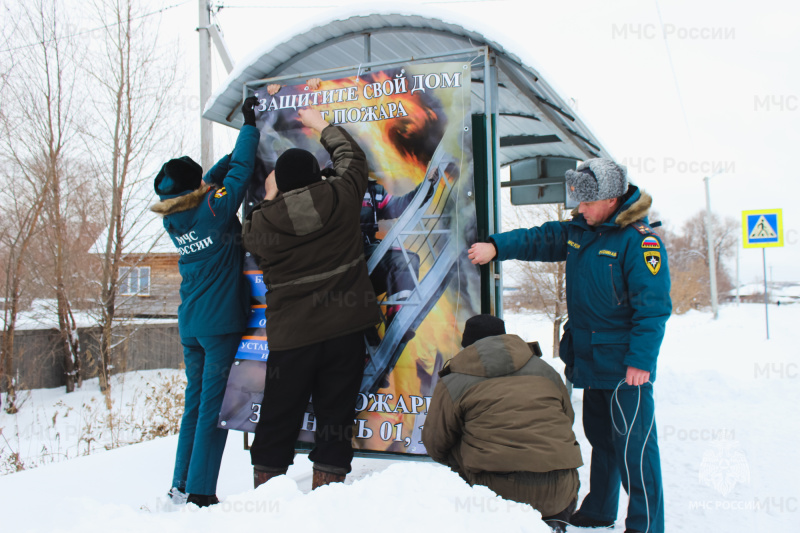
x,y
330,372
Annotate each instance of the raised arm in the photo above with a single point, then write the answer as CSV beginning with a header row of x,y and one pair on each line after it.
x,y
349,160
240,165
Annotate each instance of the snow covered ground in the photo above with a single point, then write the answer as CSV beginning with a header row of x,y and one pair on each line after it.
x,y
41,314
726,419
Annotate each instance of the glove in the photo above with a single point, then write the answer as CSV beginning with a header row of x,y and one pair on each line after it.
x,y
248,110
432,188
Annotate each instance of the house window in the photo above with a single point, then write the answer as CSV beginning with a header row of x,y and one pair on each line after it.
x,y
134,281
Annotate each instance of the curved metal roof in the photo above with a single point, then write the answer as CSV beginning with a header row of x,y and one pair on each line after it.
x,y
532,119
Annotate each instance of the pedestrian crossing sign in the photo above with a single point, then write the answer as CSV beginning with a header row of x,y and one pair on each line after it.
x,y
762,228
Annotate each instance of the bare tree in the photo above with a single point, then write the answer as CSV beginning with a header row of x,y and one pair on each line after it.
x,y
41,123
137,78
542,285
22,212
688,259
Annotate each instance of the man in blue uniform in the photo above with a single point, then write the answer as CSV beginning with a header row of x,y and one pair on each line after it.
x,y
618,303
201,218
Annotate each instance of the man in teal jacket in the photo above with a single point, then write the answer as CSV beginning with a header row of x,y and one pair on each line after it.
x,y
201,218
618,304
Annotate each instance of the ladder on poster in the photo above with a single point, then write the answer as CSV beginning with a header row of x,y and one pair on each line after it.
x,y
424,229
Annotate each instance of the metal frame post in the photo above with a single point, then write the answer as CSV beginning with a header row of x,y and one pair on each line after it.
x,y
493,173
206,130
712,261
766,290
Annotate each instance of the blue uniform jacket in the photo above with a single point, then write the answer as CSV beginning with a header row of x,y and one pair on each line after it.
x,y
205,228
617,289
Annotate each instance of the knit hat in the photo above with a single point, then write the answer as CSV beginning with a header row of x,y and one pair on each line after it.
x,y
296,168
480,327
178,176
597,179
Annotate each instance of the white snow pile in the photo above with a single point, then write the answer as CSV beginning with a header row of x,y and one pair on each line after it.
x,y
726,421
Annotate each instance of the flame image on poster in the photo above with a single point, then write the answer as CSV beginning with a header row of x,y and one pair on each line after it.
x,y
417,218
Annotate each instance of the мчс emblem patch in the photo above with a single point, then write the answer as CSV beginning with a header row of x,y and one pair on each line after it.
x,y
573,244
650,242
219,193
653,261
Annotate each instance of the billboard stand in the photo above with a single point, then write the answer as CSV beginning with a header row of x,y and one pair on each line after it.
x,y
413,121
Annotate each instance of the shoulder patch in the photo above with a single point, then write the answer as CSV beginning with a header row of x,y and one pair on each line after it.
x,y
573,244
653,261
651,243
219,193
642,228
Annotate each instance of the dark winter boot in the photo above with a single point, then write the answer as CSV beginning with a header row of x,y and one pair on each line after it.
x,y
202,500
262,474
324,478
558,522
579,520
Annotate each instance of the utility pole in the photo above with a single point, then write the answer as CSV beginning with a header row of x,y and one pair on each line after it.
x,y
712,262
738,245
206,131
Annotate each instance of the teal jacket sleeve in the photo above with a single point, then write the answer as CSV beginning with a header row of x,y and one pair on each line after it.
x,y
647,273
547,242
216,175
238,174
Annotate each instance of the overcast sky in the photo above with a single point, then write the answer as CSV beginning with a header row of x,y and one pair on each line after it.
x,y
718,89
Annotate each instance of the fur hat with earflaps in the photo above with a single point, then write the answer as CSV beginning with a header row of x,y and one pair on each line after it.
x,y
178,176
597,179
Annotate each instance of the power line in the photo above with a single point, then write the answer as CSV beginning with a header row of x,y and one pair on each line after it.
x,y
105,27
219,7
674,76
465,1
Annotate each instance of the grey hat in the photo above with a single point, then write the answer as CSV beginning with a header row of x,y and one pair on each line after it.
x,y
597,179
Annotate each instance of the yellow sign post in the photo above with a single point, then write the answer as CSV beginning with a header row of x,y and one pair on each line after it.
x,y
763,229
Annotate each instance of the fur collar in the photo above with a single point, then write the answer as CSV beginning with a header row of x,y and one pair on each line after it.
x,y
170,206
636,211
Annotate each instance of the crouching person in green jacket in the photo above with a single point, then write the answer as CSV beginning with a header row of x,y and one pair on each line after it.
x,y
201,218
501,417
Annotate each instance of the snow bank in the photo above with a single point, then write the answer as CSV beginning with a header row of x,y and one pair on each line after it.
x,y
726,420
125,490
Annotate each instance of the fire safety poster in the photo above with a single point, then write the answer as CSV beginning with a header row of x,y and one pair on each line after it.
x,y
414,123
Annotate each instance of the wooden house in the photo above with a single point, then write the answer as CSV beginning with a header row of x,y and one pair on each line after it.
x,y
149,280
